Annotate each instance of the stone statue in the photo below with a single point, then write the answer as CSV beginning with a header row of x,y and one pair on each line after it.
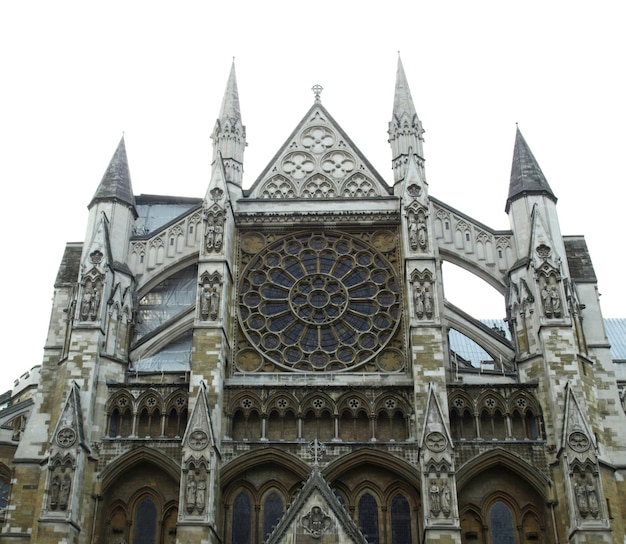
x,y
581,499
592,498
214,305
219,235
446,499
94,305
210,234
54,492
428,302
201,495
555,301
413,235
65,491
435,499
418,298
85,306
190,494
421,233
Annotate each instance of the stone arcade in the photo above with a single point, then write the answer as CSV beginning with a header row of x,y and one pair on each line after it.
x,y
275,364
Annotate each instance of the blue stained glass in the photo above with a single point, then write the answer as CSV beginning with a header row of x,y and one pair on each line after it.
x,y
501,523
242,519
368,518
272,512
145,522
400,521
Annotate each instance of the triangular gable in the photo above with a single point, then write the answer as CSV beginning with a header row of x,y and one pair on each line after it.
x,y
69,429
577,434
318,160
199,434
435,433
316,515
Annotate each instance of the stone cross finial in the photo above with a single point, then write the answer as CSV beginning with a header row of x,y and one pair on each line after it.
x,y
317,91
317,450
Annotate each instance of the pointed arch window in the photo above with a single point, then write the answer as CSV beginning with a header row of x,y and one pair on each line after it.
x,y
368,518
145,522
400,520
272,512
242,519
501,524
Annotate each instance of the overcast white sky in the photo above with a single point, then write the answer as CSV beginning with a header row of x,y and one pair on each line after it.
x,y
75,75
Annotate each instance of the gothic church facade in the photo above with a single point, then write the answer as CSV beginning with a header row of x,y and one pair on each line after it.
x,y
274,364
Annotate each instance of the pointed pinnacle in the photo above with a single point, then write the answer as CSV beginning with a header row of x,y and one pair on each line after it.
x,y
230,103
526,175
116,184
402,101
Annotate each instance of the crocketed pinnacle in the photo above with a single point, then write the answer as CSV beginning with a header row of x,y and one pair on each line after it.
x,y
402,101
230,103
115,184
526,176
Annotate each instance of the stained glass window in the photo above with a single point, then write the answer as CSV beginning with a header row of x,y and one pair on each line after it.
x,y
501,524
308,298
272,512
242,519
145,522
400,521
368,518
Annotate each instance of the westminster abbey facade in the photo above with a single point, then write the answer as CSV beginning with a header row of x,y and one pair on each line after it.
x,y
278,364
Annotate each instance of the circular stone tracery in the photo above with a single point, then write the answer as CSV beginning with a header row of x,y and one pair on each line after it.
x,y
318,302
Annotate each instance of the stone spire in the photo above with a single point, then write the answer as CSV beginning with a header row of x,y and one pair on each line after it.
x,y
115,184
229,134
526,176
405,129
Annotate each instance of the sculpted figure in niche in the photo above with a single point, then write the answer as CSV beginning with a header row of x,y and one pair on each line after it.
x,y
219,234
581,499
209,302
592,497
421,233
210,234
413,235
190,493
95,304
550,298
54,492
418,299
65,492
435,499
85,306
446,499
201,495
214,236
428,302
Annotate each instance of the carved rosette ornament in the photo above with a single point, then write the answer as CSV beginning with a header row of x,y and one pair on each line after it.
x,y
316,522
578,441
198,440
66,437
436,442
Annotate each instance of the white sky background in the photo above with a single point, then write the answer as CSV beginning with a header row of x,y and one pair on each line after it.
x,y
75,75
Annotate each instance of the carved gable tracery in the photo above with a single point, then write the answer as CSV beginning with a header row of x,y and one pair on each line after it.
x,y
319,161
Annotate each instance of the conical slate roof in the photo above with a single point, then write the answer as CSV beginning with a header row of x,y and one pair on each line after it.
x,y
526,176
115,184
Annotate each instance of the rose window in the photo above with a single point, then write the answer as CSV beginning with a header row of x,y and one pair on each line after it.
x,y
318,302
